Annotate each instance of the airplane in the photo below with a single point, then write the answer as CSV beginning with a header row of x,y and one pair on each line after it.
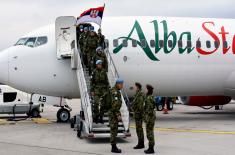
x,y
189,57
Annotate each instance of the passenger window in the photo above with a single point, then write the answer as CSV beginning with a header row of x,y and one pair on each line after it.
x,y
124,43
30,42
115,43
9,97
225,44
189,44
170,43
198,44
208,44
21,41
134,43
161,43
216,44
143,43
152,43
41,41
180,44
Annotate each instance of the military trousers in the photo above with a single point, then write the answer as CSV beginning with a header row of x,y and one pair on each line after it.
x,y
139,126
113,123
150,131
99,105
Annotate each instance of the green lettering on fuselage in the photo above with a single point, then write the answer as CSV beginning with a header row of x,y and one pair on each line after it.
x,y
167,37
141,36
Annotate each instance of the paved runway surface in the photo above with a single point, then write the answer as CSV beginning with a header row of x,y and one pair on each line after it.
x,y
185,131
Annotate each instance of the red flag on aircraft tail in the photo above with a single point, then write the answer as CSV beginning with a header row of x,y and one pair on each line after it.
x,y
92,15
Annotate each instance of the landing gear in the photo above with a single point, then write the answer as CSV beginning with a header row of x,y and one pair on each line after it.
x,y
63,115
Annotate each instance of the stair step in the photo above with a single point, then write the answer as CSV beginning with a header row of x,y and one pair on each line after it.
x,y
107,135
119,124
105,129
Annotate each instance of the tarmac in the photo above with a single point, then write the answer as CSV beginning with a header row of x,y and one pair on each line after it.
x,y
184,131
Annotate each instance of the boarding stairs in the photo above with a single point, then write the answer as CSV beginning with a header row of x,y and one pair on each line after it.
x,y
87,126
67,48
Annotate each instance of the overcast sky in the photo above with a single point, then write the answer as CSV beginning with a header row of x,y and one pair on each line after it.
x,y
18,17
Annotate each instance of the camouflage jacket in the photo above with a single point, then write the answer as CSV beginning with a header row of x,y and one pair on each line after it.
x,y
99,79
116,104
138,102
149,107
101,39
103,58
91,42
82,38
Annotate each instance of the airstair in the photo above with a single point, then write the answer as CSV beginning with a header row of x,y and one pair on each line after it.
x,y
83,122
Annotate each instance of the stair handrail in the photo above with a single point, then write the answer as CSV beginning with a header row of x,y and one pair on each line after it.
x,y
115,75
84,90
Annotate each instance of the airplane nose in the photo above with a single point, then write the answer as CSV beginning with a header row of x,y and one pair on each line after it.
x,y
4,65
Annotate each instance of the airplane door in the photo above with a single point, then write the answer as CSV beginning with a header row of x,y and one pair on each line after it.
x,y
65,31
1,96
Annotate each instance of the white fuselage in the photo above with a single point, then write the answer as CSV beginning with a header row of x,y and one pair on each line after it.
x,y
172,70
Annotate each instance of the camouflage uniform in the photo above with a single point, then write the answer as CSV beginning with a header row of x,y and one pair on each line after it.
x,y
82,40
99,85
138,108
150,117
101,39
102,57
114,113
91,44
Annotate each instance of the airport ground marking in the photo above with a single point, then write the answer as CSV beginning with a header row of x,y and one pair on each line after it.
x,y
192,131
3,121
41,121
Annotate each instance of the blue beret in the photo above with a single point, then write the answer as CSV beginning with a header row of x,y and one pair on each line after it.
x,y
85,28
81,26
99,48
98,62
119,81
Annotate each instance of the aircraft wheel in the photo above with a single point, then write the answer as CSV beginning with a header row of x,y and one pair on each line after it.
x,y
63,115
159,107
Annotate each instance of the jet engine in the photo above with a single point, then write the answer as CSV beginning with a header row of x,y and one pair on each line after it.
x,y
205,100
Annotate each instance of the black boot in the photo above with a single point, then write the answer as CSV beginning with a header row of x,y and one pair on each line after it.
x,y
101,120
96,120
150,150
140,145
115,149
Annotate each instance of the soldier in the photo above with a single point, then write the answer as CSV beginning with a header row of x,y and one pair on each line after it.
x,y
100,55
150,117
101,38
114,114
82,41
91,44
99,87
138,108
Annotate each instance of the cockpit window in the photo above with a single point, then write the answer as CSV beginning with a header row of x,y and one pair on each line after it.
x,y
41,41
32,42
21,41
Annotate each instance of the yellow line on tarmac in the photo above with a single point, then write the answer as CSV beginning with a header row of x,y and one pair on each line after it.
x,y
41,121
192,131
3,121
